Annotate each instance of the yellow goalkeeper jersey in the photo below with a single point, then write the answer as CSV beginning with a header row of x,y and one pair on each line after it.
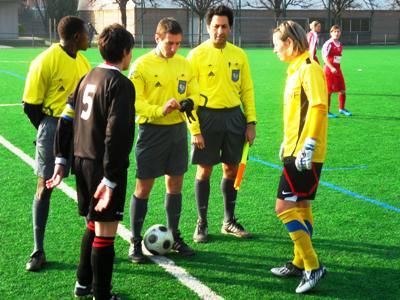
x,y
158,80
305,91
52,77
224,79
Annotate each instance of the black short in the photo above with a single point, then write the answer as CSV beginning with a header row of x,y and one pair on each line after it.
x,y
224,133
161,150
88,174
296,186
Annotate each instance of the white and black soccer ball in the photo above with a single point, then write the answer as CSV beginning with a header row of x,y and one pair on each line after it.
x,y
158,239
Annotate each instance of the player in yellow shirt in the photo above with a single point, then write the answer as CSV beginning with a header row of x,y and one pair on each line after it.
x,y
226,118
165,86
52,77
302,152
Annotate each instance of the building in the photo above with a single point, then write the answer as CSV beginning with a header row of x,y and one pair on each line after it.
x,y
252,29
9,19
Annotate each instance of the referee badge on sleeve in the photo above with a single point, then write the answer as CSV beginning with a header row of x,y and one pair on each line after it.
x,y
235,75
181,86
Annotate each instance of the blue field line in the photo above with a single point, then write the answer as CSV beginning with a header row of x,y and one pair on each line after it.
x,y
355,195
335,187
345,168
13,74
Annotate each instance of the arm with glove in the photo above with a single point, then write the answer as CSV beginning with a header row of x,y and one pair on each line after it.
x,y
304,157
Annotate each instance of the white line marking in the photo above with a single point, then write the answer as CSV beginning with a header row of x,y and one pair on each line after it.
x,y
10,104
203,291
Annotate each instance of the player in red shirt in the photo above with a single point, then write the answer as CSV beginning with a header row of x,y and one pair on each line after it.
x,y
332,54
312,38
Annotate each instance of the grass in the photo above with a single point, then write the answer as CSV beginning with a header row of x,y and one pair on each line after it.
x,y
357,240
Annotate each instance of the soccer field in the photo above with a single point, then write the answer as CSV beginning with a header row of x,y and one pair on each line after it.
x,y
356,212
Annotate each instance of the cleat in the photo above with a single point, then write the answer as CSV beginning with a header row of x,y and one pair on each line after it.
x,y
331,115
181,247
200,234
135,251
82,291
310,279
345,112
236,229
288,270
36,261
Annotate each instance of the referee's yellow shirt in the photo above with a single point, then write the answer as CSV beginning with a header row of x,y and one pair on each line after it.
x,y
305,91
224,78
158,80
52,77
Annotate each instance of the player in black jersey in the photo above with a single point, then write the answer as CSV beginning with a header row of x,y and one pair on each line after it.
x,y
99,119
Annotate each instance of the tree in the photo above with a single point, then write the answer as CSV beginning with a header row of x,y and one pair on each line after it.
x,y
54,9
337,7
278,6
200,8
122,8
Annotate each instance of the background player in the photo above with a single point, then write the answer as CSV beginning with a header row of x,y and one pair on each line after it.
x,y
312,38
225,84
332,55
52,77
303,151
162,80
99,118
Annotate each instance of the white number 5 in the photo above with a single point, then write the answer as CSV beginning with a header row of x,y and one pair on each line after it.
x,y
88,99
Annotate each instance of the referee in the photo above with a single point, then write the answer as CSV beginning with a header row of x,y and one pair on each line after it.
x,y
52,77
226,118
163,80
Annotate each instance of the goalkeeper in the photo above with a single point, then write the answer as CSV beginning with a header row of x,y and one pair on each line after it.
x,y
302,151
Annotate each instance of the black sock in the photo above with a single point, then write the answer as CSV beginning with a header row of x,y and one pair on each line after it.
x,y
138,214
102,264
173,208
84,273
229,193
40,212
202,192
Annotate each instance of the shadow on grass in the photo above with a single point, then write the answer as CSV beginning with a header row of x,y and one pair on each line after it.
x,y
348,278
374,94
374,117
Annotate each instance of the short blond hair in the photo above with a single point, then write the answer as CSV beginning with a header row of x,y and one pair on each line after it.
x,y
314,24
292,30
335,27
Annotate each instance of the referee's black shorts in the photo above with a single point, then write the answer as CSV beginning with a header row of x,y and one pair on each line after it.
x,y
88,174
224,133
161,150
296,186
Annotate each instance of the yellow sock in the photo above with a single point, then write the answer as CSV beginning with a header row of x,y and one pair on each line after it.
x,y
299,234
306,214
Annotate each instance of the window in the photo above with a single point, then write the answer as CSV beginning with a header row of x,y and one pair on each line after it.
x,y
356,25
345,24
365,25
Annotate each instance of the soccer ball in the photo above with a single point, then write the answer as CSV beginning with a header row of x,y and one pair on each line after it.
x,y
158,239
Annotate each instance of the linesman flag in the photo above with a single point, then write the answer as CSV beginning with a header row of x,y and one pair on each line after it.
x,y
242,167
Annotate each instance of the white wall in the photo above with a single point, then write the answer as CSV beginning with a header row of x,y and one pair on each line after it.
x,y
8,19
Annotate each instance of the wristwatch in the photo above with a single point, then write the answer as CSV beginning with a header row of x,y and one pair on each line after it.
x,y
252,122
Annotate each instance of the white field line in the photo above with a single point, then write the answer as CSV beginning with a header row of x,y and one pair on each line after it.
x,y
29,61
10,104
167,264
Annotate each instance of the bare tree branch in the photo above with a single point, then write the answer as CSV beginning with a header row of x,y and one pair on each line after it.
x,y
278,6
200,8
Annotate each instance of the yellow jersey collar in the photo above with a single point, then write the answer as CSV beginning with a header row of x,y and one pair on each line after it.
x,y
209,44
297,62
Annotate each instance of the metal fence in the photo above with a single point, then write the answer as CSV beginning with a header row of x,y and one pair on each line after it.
x,y
248,31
